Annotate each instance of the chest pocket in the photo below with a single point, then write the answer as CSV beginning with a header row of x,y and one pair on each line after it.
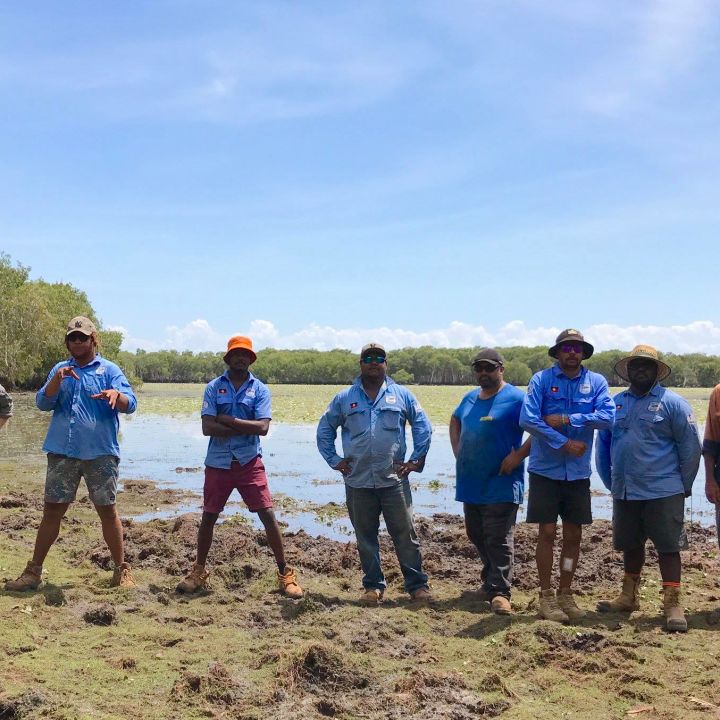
x,y
555,402
390,417
224,401
653,423
356,421
93,384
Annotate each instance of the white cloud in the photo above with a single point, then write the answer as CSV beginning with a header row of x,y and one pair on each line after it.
x,y
199,335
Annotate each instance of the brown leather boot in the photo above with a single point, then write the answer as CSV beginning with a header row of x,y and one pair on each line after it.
x,y
29,579
674,616
122,576
549,609
566,602
289,585
628,599
196,579
500,605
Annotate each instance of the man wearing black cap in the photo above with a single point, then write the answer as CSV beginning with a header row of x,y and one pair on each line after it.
x,y
486,439
373,413
649,461
563,407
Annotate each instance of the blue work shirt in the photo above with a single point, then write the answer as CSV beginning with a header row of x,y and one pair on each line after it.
x,y
586,401
81,427
373,432
489,431
251,401
653,449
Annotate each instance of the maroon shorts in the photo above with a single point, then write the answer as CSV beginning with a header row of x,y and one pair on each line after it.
x,y
249,480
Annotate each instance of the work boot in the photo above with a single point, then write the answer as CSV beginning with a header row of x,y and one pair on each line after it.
x,y
195,580
566,602
628,599
422,594
372,597
500,605
288,584
122,577
30,579
549,609
674,616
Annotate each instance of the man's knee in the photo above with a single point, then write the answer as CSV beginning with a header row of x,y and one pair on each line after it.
x,y
106,512
547,532
54,512
572,532
209,519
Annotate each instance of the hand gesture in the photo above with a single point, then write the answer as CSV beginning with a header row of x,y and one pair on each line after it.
x,y
67,371
576,448
110,395
344,467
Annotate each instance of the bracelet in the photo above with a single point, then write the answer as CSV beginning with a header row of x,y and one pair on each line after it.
x,y
566,419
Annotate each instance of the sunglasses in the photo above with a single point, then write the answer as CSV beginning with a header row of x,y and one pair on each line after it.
x,y
571,347
485,367
78,337
379,359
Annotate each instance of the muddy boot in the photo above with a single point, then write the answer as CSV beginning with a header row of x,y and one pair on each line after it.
x,y
288,584
30,579
674,616
371,597
549,609
421,595
628,599
566,602
500,605
122,577
195,580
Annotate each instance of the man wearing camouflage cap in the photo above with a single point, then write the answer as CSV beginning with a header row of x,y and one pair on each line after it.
x,y
85,393
648,460
373,413
563,407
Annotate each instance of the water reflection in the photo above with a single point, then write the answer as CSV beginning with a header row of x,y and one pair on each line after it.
x,y
171,450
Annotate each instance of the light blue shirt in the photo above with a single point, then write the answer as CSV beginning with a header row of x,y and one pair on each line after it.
x,y
81,427
586,401
251,401
653,449
373,432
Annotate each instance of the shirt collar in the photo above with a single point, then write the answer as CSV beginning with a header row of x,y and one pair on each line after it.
x,y
74,362
559,373
250,378
656,391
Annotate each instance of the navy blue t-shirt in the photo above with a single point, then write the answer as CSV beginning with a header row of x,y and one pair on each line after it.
x,y
489,430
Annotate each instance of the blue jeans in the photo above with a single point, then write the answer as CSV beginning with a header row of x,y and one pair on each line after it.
x,y
395,503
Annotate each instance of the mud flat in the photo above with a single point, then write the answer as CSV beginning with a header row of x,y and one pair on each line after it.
x,y
79,649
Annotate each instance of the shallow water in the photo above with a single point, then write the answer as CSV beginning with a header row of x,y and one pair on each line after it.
x,y
171,449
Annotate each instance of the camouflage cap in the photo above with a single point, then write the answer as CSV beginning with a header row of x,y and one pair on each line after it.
x,y
81,324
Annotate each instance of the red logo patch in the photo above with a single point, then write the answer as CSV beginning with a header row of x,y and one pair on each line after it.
x,y
554,388
618,407
222,391
353,406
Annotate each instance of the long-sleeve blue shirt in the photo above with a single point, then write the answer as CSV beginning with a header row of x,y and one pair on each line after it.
x,y
373,432
251,401
81,427
585,399
653,449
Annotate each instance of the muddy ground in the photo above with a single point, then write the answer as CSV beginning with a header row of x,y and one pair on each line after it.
x,y
77,648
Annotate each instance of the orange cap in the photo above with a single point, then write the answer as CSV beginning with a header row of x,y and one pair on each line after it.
x,y
240,342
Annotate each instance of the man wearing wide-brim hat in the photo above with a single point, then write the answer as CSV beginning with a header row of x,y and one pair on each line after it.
x,y
648,460
563,407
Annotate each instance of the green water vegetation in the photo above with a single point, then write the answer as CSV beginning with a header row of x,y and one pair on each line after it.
x,y
423,366
77,649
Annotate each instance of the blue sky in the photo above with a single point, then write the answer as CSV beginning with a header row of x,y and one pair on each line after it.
x,y
317,174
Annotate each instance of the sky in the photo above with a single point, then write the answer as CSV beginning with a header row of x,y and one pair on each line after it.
x,y
324,174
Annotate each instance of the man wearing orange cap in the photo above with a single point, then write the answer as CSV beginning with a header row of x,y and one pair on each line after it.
x,y
235,413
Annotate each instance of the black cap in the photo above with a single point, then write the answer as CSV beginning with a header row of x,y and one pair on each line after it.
x,y
489,355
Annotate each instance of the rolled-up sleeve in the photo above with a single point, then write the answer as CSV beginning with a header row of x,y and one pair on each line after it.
x,y
531,416
603,414
686,436
420,426
326,433
603,458
6,403
120,383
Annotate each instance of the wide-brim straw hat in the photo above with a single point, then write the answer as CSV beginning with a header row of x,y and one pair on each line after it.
x,y
642,351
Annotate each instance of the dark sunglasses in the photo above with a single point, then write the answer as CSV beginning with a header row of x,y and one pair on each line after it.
x,y
78,337
572,347
485,367
379,359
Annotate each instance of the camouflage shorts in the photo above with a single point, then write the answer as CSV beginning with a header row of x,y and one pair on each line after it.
x,y
64,473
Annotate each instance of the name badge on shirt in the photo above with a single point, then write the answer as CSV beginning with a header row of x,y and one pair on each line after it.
x,y
390,399
585,388
100,371
486,418
250,393
654,406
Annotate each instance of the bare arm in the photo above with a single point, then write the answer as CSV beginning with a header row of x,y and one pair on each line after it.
x,y
228,426
455,428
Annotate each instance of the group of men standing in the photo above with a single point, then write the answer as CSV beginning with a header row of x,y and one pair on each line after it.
x,y
647,455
